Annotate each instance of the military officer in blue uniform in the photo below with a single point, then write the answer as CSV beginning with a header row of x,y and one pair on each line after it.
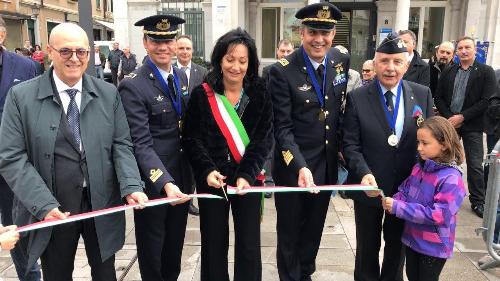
x,y
155,98
307,88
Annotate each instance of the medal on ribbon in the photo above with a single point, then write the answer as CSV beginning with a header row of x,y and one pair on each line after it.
x,y
320,91
393,139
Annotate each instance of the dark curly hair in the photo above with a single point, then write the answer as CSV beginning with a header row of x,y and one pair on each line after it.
x,y
226,43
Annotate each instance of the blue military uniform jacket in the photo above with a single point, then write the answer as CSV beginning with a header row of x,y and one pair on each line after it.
x,y
155,130
302,139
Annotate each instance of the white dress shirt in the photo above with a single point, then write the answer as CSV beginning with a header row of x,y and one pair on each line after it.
x,y
61,89
188,69
401,111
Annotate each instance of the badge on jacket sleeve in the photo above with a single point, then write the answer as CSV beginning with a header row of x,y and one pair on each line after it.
x,y
287,156
155,174
283,62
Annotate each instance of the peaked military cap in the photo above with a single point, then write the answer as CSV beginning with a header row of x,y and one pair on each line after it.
x,y
392,45
319,15
161,27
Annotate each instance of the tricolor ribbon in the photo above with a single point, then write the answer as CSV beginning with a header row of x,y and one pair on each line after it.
x,y
257,189
103,212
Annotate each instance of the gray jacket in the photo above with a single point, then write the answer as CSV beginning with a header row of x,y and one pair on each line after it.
x,y
27,138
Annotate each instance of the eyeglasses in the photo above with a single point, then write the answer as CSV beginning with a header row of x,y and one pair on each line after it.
x,y
67,53
366,70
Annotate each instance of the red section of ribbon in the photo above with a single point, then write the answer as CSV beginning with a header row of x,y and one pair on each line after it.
x,y
220,122
93,213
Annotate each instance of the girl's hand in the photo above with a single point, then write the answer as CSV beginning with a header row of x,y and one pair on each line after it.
x,y
215,179
387,204
241,184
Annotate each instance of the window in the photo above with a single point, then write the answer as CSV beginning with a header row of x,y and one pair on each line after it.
x,y
270,31
98,4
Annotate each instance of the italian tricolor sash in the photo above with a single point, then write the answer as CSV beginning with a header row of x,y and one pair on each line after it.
x,y
228,122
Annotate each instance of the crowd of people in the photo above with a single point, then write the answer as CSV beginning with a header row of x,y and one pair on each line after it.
x,y
72,143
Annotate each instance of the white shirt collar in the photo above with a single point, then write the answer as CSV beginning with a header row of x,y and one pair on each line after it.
x,y
393,90
410,57
62,87
165,74
179,65
315,64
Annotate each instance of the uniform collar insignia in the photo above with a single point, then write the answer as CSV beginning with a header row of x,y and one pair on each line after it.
x,y
151,76
159,98
304,88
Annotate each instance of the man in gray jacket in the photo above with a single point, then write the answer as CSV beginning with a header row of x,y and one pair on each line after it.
x,y
65,148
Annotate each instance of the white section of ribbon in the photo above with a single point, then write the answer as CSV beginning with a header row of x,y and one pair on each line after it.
x,y
232,190
230,125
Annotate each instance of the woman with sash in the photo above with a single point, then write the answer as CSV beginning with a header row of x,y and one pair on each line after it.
x,y
227,135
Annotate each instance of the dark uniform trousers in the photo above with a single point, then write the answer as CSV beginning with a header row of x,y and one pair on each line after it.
x,y
214,227
301,218
162,262
70,170
370,223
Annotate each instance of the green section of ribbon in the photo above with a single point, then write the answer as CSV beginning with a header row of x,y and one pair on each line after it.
x,y
236,120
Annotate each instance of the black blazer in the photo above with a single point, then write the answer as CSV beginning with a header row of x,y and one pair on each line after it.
x,y
480,86
365,132
154,127
207,148
418,71
302,139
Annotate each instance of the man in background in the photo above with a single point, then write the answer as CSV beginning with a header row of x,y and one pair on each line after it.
x,y
418,70
444,58
114,58
368,72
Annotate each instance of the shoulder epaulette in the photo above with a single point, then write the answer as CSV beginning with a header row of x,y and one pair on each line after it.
x,y
342,49
283,62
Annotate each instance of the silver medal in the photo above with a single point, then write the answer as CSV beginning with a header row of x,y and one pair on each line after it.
x,y
393,140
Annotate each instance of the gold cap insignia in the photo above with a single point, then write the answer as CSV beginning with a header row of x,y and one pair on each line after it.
x,y
163,25
323,13
155,174
287,156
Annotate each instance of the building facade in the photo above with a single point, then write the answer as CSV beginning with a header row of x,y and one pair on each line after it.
x,y
34,19
364,23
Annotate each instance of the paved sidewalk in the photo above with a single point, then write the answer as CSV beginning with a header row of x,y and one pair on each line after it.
x,y
335,258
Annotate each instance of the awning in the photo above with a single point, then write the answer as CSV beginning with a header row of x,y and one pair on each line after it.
x,y
108,25
14,16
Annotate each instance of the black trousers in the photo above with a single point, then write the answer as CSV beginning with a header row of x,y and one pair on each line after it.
x,y
474,154
114,76
300,222
214,227
59,257
420,267
159,233
370,223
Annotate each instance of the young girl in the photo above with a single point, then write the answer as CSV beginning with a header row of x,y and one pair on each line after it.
x,y
429,199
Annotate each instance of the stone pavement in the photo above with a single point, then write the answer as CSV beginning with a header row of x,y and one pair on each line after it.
x,y
335,258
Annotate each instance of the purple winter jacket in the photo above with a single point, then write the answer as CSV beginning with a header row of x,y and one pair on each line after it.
x,y
428,200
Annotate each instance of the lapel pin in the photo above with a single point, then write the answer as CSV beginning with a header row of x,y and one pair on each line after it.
x,y
159,98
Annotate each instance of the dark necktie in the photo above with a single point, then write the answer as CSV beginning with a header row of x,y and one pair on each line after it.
x,y
171,88
320,71
73,116
389,103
